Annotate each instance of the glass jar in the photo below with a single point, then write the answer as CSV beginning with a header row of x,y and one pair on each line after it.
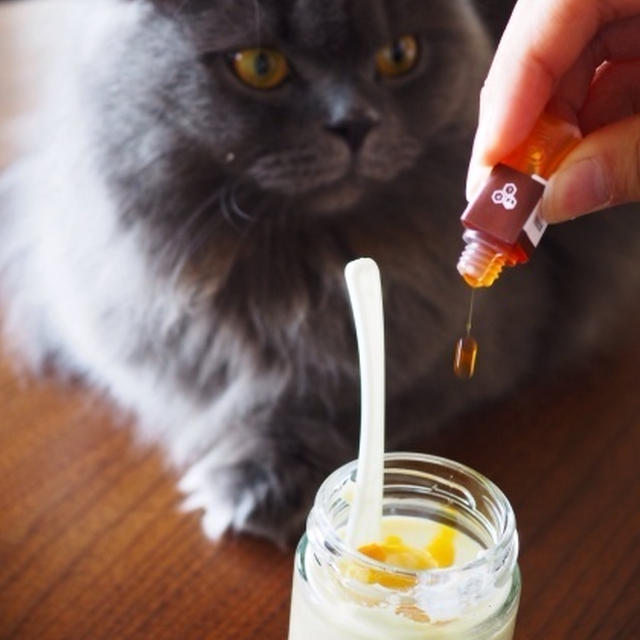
x,y
475,600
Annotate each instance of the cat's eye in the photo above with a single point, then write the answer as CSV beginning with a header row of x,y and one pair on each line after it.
x,y
397,58
260,68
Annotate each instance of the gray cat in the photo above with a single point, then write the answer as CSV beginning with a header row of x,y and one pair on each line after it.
x,y
207,168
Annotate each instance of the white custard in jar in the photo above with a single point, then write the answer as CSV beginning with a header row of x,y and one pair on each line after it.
x,y
468,588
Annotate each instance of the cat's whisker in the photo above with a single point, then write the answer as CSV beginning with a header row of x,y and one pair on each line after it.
x,y
224,208
191,248
194,217
236,206
229,210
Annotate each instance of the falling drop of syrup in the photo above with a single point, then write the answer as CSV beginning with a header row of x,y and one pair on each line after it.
x,y
464,360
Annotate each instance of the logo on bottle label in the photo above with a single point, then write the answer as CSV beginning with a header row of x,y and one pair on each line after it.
x,y
504,205
506,196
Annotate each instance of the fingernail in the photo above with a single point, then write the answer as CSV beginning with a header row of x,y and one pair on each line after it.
x,y
575,190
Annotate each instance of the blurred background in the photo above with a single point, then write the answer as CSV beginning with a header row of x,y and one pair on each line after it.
x,y
28,37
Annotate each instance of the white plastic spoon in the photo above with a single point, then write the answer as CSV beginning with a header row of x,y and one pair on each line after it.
x,y
365,293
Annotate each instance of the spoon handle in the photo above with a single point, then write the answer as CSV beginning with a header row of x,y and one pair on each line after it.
x,y
365,293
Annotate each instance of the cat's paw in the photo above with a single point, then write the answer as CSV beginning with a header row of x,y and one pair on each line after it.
x,y
250,497
203,492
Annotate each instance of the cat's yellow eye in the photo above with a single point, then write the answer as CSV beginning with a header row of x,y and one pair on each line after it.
x,y
260,68
397,58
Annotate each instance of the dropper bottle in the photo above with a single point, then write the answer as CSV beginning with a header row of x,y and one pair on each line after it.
x,y
502,224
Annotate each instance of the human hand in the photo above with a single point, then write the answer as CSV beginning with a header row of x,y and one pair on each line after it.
x,y
580,60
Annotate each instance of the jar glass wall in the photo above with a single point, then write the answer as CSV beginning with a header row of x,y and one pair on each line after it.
x,y
476,598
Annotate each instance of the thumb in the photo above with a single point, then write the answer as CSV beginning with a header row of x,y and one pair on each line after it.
x,y
603,170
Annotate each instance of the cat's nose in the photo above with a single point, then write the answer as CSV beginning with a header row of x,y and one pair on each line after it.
x,y
353,129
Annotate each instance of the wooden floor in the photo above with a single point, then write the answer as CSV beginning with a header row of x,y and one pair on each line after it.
x,y
92,544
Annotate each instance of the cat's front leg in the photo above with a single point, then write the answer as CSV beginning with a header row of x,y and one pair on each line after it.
x,y
262,479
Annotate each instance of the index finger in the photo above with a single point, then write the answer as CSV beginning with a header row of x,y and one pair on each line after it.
x,y
541,42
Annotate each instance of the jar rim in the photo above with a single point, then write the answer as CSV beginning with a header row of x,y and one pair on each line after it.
x,y
501,554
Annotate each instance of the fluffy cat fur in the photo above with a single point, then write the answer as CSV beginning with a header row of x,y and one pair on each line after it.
x,y
178,238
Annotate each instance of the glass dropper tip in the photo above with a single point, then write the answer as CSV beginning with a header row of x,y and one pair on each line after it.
x,y
480,265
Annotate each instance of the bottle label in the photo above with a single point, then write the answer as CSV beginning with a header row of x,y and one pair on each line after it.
x,y
535,226
507,207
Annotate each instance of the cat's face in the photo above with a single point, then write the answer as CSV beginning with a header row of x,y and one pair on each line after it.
x,y
320,103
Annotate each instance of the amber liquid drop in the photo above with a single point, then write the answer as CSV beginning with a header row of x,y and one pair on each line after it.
x,y
464,359
464,362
